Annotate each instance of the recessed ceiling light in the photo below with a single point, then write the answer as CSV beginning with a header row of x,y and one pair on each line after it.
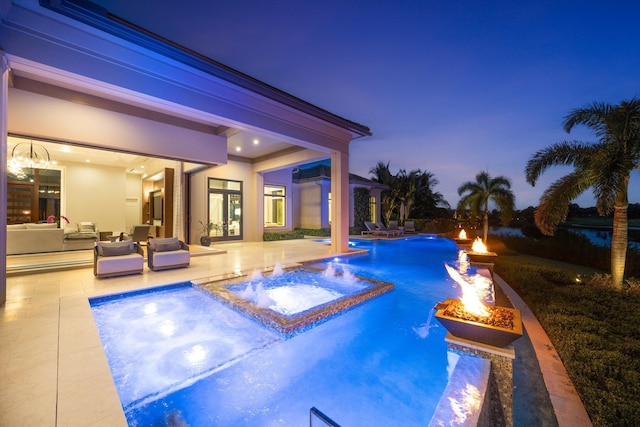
x,y
88,161
142,167
238,149
256,142
66,149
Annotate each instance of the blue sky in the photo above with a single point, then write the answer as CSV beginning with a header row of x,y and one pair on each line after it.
x,y
451,87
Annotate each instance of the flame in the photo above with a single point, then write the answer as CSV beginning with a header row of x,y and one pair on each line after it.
x,y
471,287
479,247
463,234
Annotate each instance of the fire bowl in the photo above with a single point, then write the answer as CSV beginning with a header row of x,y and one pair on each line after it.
x,y
482,257
463,242
499,329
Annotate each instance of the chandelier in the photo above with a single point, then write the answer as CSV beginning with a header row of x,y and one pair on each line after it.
x,y
27,155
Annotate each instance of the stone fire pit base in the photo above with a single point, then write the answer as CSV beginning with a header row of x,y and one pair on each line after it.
x,y
501,377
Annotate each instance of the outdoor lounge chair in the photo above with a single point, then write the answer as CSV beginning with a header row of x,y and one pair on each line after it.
x,y
393,226
166,253
372,229
382,227
112,259
409,227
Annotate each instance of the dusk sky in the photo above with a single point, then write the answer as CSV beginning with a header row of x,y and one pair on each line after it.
x,y
450,87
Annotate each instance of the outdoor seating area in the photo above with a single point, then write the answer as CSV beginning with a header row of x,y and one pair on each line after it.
x,y
126,257
378,229
409,227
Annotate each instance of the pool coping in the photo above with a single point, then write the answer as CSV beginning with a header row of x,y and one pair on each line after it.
x,y
567,405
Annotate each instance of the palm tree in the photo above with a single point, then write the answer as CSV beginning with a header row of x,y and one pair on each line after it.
x,y
425,197
476,196
604,166
389,198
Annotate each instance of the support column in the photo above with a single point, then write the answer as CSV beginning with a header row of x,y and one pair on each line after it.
x,y
257,218
4,93
339,202
178,201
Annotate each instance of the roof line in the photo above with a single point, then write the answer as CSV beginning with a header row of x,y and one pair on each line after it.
x,y
98,17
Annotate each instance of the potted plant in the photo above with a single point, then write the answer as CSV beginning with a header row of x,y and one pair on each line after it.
x,y
205,230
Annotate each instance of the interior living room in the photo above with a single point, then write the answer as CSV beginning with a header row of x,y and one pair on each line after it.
x,y
69,184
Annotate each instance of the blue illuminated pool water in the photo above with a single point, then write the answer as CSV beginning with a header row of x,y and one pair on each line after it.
x,y
380,363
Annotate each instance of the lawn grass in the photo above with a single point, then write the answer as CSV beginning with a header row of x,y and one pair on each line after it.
x,y
595,329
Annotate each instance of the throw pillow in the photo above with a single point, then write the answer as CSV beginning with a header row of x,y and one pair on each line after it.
x,y
115,251
166,247
86,226
165,244
115,247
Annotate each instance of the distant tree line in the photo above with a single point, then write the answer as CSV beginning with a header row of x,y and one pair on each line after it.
x,y
410,193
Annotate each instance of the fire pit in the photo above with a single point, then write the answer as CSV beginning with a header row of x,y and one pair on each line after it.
x,y
480,254
462,239
500,328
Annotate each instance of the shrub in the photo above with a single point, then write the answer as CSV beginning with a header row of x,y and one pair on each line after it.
x,y
282,235
320,232
594,328
572,248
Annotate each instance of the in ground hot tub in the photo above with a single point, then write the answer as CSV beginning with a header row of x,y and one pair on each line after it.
x,y
296,299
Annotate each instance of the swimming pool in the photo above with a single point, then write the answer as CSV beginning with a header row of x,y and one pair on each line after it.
x,y
380,363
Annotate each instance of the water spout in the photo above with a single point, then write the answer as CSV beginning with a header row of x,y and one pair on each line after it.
x,y
423,330
277,269
330,271
261,298
347,276
255,275
257,295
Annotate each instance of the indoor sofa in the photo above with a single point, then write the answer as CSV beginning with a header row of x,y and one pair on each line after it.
x,y
34,238
42,238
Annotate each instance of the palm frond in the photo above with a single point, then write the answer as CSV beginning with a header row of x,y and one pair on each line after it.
x,y
554,203
562,153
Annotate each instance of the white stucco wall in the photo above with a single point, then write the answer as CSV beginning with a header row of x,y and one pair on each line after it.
x,y
97,194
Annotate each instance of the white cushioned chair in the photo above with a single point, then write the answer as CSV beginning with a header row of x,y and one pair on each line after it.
x,y
112,259
166,253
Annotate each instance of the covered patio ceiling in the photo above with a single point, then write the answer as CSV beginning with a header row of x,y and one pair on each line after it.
x,y
243,144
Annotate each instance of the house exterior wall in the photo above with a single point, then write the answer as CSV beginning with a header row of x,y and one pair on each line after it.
x,y
71,48
199,197
311,205
68,121
282,178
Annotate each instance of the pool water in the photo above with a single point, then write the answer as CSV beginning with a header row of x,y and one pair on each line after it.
x,y
383,362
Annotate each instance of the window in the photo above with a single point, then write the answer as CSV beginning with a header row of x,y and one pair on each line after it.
x,y
33,196
372,209
274,206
